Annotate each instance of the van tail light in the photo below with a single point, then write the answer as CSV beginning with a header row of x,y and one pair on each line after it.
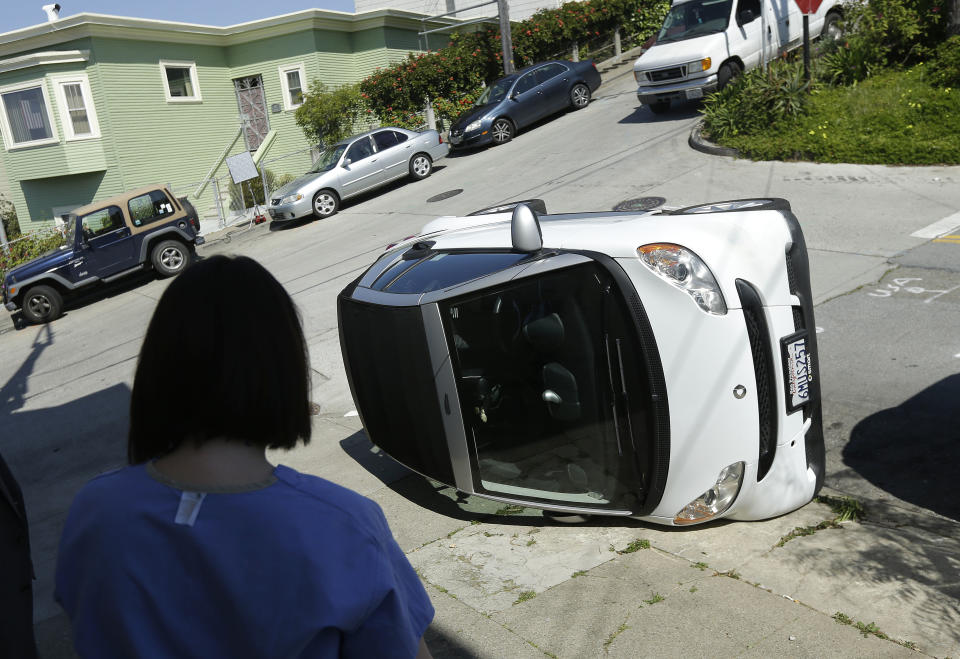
x,y
441,137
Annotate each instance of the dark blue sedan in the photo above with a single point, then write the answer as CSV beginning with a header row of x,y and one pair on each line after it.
x,y
522,98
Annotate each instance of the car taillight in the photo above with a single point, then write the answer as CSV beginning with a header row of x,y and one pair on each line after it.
x,y
441,138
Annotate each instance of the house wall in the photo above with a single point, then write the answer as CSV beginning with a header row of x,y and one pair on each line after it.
x,y
518,9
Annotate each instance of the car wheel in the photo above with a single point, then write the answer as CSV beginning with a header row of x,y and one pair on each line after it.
x,y
170,257
831,27
579,96
501,131
41,304
420,166
727,73
660,107
325,203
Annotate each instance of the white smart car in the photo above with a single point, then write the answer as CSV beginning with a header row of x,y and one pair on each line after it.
x,y
659,365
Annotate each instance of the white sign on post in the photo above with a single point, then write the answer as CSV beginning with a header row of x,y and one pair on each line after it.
x,y
242,168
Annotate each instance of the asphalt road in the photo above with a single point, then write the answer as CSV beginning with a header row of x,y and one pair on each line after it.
x,y
888,305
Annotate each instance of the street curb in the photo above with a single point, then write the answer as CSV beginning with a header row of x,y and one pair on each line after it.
x,y
699,143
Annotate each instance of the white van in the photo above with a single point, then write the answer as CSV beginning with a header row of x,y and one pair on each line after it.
x,y
703,44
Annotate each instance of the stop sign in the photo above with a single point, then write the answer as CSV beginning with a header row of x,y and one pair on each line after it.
x,y
808,6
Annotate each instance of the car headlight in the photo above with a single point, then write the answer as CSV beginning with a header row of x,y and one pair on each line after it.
x,y
698,65
716,500
289,199
684,269
473,125
638,75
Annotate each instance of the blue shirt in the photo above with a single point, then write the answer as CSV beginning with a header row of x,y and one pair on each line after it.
x,y
300,567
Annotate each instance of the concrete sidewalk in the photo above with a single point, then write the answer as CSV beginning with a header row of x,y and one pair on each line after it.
x,y
509,582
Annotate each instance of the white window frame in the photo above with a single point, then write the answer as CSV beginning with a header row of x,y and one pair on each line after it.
x,y
80,78
8,142
298,67
194,80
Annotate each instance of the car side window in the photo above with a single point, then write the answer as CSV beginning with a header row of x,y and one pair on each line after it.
x,y
401,137
385,139
149,207
752,6
526,83
359,150
549,71
102,221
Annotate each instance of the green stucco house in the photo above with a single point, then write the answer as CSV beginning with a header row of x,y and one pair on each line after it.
x,y
92,105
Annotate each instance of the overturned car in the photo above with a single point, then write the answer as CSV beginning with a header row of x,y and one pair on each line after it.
x,y
660,365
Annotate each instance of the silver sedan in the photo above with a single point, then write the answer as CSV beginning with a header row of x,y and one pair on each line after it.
x,y
358,164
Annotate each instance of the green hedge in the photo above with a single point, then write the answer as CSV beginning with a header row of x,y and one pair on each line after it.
x,y
26,248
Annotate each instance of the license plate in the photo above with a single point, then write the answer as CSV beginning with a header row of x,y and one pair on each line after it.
x,y
797,370
694,93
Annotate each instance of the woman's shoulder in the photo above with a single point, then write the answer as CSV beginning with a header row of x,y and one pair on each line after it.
x,y
351,507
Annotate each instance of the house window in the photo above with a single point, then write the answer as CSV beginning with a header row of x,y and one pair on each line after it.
x,y
26,115
292,80
180,81
77,115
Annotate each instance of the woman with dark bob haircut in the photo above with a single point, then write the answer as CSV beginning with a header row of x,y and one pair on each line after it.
x,y
201,547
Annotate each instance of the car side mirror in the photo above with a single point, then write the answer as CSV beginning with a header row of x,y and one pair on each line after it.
x,y
746,16
346,163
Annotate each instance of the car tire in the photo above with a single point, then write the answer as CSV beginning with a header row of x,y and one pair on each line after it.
x,y
727,74
831,27
660,107
501,131
41,304
325,203
170,257
579,96
420,166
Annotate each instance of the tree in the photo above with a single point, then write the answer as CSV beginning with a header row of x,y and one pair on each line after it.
x,y
328,116
8,214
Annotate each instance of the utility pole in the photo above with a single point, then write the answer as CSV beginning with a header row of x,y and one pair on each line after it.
x,y
506,41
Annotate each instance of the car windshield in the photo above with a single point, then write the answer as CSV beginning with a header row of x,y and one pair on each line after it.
x,y
694,19
495,92
328,159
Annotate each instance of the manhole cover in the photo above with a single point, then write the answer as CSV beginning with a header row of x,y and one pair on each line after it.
x,y
445,195
640,204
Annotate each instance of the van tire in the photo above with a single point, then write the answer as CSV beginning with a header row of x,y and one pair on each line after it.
x,y
727,73
831,27
660,107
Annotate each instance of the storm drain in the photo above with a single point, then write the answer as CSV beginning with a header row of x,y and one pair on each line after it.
x,y
445,195
640,204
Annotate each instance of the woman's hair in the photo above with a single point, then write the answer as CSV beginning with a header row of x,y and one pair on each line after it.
x,y
224,356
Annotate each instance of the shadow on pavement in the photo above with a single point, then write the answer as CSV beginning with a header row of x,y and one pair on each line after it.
x,y
53,451
644,115
447,501
912,450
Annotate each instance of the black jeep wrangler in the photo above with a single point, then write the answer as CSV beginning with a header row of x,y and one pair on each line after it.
x,y
103,242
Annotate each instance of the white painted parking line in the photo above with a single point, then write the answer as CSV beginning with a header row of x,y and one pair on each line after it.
x,y
939,228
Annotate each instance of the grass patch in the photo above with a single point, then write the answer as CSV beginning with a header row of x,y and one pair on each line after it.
x,y
525,595
655,597
894,118
474,522
510,509
619,630
578,573
693,589
531,541
844,510
700,565
636,545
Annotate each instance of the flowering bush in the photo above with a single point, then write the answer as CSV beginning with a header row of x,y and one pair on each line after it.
x,y
27,247
452,77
